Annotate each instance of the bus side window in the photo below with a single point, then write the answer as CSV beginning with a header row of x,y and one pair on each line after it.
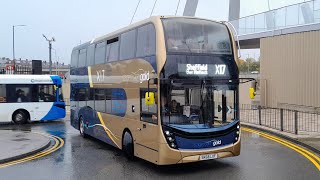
x,y
3,93
149,113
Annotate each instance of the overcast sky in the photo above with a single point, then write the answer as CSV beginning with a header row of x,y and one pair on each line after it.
x,y
75,21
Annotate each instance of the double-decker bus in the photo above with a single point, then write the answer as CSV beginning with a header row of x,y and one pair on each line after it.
x,y
25,98
164,89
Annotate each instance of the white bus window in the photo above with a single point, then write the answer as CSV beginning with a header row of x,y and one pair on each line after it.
x,y
146,41
3,93
100,52
127,45
46,93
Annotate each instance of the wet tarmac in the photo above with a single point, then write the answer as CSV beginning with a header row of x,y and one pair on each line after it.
x,y
92,159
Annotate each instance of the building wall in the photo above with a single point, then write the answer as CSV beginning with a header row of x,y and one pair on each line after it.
x,y
290,70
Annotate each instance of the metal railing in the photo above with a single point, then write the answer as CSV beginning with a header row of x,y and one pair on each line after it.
x,y
293,15
292,121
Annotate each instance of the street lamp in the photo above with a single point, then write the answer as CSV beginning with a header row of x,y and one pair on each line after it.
x,y
13,53
50,48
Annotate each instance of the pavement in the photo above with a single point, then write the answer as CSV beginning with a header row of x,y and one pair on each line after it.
x,y
308,140
19,144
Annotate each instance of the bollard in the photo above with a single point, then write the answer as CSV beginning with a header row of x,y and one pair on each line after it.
x,y
259,108
296,122
281,119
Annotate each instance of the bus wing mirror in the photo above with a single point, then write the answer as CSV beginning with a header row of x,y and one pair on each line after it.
x,y
252,93
149,98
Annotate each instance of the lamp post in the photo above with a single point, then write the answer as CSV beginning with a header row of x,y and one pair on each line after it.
x,y
13,52
50,48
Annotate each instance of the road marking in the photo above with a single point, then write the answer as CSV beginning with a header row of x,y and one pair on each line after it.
x,y
309,155
58,144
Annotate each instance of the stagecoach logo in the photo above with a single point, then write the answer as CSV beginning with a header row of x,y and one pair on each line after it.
x,y
144,76
216,142
197,69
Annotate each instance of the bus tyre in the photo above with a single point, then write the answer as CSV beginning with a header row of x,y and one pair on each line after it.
x,y
81,127
20,117
127,145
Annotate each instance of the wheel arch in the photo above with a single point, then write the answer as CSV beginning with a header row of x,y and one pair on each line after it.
x,y
23,110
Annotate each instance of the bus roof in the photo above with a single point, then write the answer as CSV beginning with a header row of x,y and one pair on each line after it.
x,y
151,19
30,79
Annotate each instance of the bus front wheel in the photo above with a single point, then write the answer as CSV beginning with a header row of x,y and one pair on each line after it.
x,y
20,117
81,127
127,145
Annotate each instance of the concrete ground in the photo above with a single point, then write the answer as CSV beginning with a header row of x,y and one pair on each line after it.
x,y
18,144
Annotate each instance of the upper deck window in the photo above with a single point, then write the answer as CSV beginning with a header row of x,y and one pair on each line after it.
x,y
100,53
127,45
82,58
146,41
196,36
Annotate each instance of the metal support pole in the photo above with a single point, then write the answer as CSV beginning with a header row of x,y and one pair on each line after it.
x,y
259,108
296,122
50,60
281,119
13,55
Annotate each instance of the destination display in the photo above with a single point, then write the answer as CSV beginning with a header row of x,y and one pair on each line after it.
x,y
210,70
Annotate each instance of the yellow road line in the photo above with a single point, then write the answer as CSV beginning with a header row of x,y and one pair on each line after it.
x,y
309,155
58,144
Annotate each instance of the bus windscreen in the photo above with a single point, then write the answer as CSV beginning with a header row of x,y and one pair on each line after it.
x,y
187,35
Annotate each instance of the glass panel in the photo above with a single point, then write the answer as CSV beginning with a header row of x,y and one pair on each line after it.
x,y
250,24
114,51
292,15
90,55
46,93
280,18
74,58
203,105
109,101
259,23
128,45
242,26
149,112
317,11
3,93
82,58
100,52
196,36
90,101
146,41
99,100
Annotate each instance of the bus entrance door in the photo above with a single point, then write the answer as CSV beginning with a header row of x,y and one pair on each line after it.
x,y
147,145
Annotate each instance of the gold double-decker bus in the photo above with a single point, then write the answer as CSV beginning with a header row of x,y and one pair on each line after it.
x,y
164,89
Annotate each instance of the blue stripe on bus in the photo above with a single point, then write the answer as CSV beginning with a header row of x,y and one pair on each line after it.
x,y
56,112
93,126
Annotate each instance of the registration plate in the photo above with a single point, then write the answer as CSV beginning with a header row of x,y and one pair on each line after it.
x,y
208,156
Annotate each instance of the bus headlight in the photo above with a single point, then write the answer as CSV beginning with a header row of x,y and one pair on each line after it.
x,y
167,133
170,139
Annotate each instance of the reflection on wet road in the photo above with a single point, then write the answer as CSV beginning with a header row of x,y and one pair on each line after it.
x,y
92,159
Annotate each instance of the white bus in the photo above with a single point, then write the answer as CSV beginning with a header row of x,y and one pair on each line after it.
x,y
25,98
